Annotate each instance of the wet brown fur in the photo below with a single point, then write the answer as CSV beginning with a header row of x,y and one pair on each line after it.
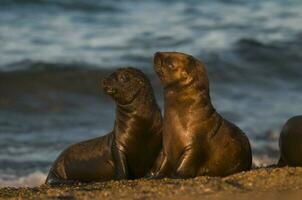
x,y
196,139
290,143
129,151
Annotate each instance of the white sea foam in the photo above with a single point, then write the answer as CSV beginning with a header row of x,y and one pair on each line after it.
x,y
31,180
264,160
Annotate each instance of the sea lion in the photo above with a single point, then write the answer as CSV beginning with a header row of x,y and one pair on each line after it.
x,y
129,151
290,143
196,139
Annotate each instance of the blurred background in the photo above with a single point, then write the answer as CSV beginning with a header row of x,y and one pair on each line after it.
x,y
54,53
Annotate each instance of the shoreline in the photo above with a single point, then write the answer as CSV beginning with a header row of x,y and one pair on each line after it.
x,y
270,182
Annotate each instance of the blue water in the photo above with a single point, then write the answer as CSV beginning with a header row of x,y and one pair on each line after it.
x,y
252,49
118,33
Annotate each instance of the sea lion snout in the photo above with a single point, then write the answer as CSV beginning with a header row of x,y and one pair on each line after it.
x,y
110,90
105,84
158,58
158,64
107,87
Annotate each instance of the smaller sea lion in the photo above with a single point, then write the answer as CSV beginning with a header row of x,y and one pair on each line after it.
x,y
196,139
129,151
290,143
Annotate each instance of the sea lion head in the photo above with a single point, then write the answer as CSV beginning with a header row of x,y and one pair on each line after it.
x,y
175,68
124,85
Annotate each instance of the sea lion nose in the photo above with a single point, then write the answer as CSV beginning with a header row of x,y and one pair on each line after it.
x,y
104,83
109,89
158,55
158,59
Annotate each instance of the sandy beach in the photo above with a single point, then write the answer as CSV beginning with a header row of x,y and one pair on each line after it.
x,y
54,55
261,183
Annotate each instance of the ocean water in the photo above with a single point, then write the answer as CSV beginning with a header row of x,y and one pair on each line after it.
x,y
53,53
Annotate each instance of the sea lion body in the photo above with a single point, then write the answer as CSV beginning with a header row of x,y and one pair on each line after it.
x,y
85,161
290,142
129,151
196,139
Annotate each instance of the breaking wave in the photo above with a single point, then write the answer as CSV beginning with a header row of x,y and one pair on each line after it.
x,y
31,180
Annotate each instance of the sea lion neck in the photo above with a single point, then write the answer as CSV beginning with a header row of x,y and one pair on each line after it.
x,y
189,98
143,107
141,112
189,90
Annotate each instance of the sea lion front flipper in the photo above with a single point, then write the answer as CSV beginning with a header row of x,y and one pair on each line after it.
x,y
160,169
53,180
187,167
121,169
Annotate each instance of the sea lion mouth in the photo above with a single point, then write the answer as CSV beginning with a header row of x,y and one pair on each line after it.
x,y
108,88
180,83
110,91
171,84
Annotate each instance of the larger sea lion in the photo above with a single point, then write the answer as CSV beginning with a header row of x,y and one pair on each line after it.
x,y
196,139
290,142
129,151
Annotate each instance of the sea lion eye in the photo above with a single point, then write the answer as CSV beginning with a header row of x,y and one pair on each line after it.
x,y
171,66
124,78
169,63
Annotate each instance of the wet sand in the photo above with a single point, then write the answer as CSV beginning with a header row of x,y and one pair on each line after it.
x,y
261,183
